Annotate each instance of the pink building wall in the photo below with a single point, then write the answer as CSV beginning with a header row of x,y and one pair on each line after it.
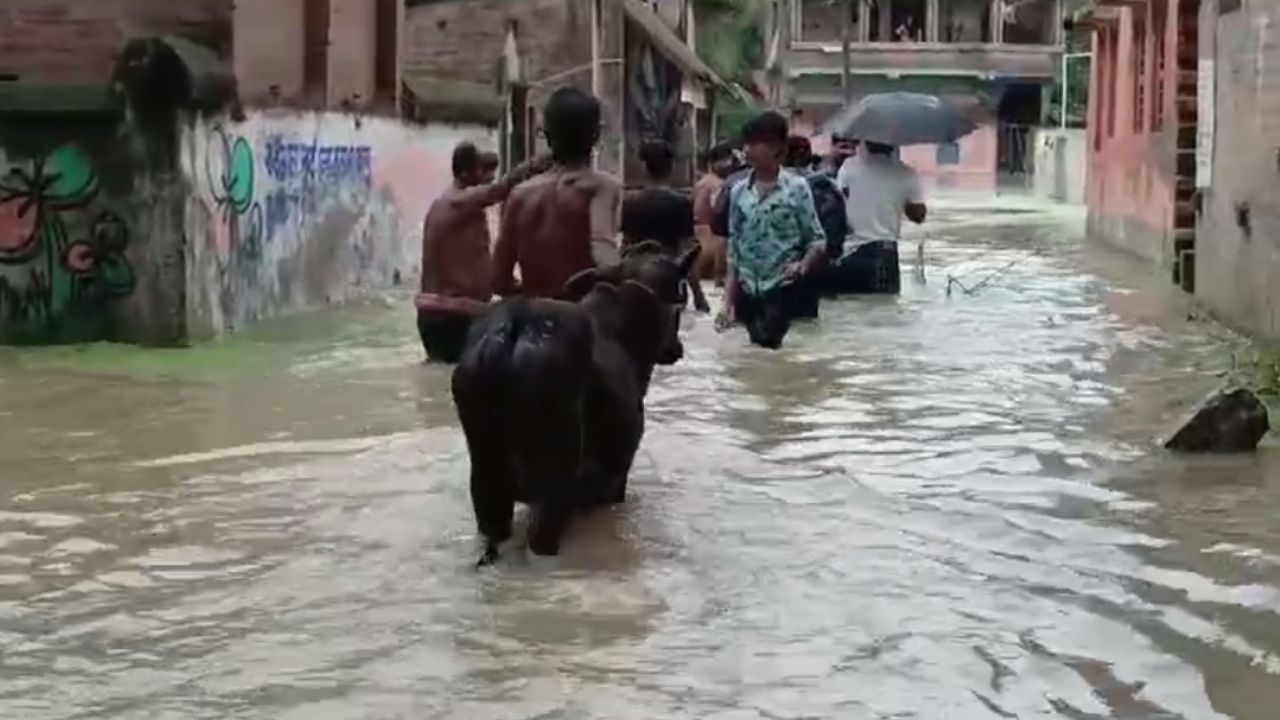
x,y
1132,142
976,169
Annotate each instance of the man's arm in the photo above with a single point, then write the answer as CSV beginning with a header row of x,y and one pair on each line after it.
x,y
482,196
914,208
813,239
506,251
606,218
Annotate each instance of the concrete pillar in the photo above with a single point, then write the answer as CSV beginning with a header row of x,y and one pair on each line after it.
x,y
933,21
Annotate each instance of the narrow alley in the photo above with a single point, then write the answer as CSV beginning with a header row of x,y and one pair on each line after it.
x,y
943,505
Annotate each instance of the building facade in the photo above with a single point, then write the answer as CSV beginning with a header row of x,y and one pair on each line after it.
x,y
1004,53
1143,131
637,56
173,170
1238,230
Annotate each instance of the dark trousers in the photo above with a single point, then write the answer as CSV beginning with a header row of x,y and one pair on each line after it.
x,y
768,316
444,334
872,268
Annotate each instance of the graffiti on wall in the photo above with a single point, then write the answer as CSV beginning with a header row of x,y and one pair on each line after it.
x,y
303,172
230,176
61,256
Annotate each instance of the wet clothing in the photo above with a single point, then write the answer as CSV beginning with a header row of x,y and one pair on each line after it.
x,y
870,268
768,233
767,316
877,189
829,202
443,334
660,214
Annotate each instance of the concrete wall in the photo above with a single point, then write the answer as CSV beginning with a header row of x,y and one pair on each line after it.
x,y
89,240
1061,165
74,42
1238,234
292,210
270,47
1132,157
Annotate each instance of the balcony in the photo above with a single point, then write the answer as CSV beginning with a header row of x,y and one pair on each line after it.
x,y
973,38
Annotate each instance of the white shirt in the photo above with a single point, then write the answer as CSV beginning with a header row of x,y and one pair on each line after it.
x,y
877,190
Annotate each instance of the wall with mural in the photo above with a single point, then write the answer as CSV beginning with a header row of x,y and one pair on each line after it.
x,y
294,210
63,259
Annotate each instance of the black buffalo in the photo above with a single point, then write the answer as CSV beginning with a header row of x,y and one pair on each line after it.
x,y
550,393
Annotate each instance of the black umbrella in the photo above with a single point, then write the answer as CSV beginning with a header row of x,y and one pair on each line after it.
x,y
902,118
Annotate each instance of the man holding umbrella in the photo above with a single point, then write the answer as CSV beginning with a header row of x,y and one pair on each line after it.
x,y
879,190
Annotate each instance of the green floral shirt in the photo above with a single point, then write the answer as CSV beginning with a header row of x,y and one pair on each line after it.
x,y
767,234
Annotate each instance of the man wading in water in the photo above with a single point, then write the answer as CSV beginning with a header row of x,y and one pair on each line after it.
x,y
775,239
661,213
713,261
879,189
566,220
457,274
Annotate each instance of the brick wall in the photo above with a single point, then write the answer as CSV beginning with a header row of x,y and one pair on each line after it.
x,y
352,50
74,42
464,39
1238,234
269,49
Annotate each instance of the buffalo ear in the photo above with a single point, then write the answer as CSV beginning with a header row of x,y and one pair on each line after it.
x,y
580,284
687,260
648,247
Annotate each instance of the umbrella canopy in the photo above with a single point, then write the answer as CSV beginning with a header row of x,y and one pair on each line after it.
x,y
903,118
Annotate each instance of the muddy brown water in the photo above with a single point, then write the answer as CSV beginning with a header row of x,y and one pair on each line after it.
x,y
924,507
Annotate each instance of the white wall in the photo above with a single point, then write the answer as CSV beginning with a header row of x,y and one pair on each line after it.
x,y
291,210
1061,165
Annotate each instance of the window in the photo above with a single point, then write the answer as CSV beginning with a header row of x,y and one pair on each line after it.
x,y
387,50
1029,22
820,20
1113,79
965,21
948,154
898,20
315,64
1139,78
1160,73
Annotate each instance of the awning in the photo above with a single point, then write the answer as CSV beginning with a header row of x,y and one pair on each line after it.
x,y
432,98
669,43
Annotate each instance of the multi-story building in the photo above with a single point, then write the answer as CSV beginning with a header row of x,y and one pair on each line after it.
x,y
1142,130
1004,52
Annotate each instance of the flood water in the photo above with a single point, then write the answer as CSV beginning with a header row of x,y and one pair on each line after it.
x,y
926,507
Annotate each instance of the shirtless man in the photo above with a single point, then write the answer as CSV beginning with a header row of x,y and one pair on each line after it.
x,y
457,273
565,221
713,261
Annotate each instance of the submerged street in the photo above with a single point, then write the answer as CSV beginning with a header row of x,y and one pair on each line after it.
x,y
943,505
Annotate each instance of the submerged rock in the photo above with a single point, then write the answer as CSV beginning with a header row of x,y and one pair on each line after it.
x,y
1227,421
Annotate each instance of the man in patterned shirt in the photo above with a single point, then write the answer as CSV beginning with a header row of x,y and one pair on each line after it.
x,y
775,239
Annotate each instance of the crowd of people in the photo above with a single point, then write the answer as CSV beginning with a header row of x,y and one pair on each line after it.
x,y
779,228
